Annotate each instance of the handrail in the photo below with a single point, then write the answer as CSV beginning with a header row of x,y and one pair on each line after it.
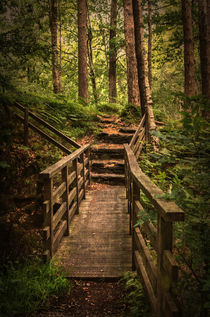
x,y
136,142
28,113
62,187
158,279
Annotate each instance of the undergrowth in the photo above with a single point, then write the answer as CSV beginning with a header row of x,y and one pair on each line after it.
x,y
135,299
28,287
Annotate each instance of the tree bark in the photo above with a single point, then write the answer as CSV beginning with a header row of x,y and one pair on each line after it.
x,y
145,92
204,35
90,57
112,53
82,50
53,13
150,43
132,76
190,86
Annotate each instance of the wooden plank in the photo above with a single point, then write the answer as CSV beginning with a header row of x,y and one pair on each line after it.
x,y
147,259
72,195
59,214
99,244
59,235
59,191
46,136
168,209
49,126
72,211
71,177
170,265
133,140
146,282
55,168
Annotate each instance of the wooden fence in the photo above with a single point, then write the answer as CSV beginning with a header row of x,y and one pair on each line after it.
x,y
27,124
63,186
138,138
159,279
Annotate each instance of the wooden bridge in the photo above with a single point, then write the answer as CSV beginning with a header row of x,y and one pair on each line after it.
x,y
91,229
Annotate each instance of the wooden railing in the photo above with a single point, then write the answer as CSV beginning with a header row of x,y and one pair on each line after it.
x,y
28,114
138,138
159,279
63,186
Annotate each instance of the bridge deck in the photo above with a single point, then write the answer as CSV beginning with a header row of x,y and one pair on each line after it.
x,y
99,244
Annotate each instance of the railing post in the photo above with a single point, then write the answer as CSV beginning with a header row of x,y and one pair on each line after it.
x,y
88,153
135,195
26,126
83,173
165,242
66,194
77,182
48,221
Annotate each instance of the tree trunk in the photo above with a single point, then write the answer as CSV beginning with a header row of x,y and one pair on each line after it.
x,y
53,12
82,50
150,43
132,76
190,86
112,53
60,46
90,57
204,30
145,92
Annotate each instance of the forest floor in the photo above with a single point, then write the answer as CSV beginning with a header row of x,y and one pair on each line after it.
x,y
89,299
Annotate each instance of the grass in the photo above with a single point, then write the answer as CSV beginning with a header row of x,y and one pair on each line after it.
x,y
26,288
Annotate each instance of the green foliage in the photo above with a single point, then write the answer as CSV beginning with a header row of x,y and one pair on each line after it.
x,y
131,113
181,169
28,287
135,297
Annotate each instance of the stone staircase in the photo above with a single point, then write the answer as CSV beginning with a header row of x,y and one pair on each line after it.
x,y
107,154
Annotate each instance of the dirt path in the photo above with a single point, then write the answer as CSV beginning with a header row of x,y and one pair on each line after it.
x,y
90,299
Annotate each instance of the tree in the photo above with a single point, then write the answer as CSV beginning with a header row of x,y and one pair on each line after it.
x,y
112,53
82,50
190,86
53,13
150,42
145,92
204,36
132,76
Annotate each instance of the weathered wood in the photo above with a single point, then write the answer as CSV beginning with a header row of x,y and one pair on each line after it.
x,y
59,214
146,282
55,168
46,136
168,209
133,140
49,126
170,265
146,258
59,234
99,244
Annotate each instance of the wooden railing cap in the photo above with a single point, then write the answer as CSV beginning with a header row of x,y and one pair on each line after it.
x,y
53,169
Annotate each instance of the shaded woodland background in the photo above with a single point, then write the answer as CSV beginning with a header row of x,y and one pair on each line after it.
x,y
69,61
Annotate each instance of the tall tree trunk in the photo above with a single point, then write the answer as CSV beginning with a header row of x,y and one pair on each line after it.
x,y
90,57
60,47
82,50
145,92
133,89
150,43
112,53
190,86
53,13
204,30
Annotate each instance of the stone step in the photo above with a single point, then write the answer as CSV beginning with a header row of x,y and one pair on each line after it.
x,y
108,166
116,138
107,151
127,130
108,178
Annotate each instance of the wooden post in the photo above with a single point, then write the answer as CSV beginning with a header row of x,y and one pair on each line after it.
x,y
165,242
77,183
66,195
89,165
26,126
135,195
83,173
